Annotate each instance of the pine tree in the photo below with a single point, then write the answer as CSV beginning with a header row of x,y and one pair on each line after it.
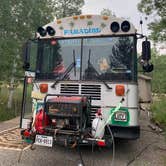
x,y
121,53
19,20
65,8
157,10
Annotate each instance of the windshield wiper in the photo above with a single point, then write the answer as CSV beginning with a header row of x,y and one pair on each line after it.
x,y
69,68
96,72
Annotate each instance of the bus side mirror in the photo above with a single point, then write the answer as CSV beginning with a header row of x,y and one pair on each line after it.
x,y
146,50
148,68
30,55
146,56
26,56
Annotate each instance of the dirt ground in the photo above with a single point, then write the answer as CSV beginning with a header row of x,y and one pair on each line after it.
x,y
149,150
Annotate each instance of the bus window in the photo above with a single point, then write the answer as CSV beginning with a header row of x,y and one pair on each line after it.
x,y
55,59
111,57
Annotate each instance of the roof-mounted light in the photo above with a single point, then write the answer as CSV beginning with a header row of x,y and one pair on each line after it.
x,y
114,27
42,31
125,26
50,31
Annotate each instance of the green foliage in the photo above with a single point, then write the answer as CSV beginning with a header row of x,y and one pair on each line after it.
x,y
106,12
121,53
157,27
19,20
5,113
158,30
159,111
65,8
159,74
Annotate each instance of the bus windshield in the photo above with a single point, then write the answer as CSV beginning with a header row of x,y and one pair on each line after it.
x,y
97,58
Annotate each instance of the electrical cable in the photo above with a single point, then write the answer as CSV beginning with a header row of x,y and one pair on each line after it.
x,y
109,129
113,148
80,154
21,152
94,136
113,145
146,147
113,142
139,154
151,131
93,151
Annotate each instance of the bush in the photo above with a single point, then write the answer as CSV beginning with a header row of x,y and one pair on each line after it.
x,y
5,113
159,111
159,74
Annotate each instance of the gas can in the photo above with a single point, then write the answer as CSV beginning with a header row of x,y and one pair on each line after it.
x,y
41,121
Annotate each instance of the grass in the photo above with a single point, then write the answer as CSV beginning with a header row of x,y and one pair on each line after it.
x,y
5,113
159,111
159,74
158,87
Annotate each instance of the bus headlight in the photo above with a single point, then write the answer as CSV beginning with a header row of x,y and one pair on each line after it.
x,y
114,27
50,31
120,116
125,26
42,31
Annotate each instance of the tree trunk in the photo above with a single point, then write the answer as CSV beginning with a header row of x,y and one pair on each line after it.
x,y
11,87
11,91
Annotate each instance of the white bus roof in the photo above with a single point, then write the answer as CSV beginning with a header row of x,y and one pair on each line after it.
x,y
86,25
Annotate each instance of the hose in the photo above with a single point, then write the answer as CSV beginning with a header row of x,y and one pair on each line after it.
x,y
113,145
80,154
139,154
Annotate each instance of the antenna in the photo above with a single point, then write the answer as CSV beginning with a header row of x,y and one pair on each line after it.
x,y
141,22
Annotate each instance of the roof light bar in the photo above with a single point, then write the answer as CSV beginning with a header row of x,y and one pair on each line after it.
x,y
125,26
50,31
114,27
42,31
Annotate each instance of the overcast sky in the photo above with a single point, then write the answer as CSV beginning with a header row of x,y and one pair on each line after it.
x,y
121,8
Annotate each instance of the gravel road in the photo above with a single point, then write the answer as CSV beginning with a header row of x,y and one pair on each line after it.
x,y
149,150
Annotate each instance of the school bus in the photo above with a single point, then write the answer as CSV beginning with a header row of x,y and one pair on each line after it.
x,y
82,71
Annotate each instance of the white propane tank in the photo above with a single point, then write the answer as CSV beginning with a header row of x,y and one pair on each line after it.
x,y
98,127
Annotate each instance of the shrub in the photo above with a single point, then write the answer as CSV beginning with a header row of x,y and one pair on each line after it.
x,y
5,113
159,111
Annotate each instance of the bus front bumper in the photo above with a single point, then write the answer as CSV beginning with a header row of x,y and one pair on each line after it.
x,y
125,132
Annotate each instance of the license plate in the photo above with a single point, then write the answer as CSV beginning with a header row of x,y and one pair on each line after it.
x,y
44,140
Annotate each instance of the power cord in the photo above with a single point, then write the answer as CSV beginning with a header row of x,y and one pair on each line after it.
x,y
80,154
113,149
146,147
139,153
113,145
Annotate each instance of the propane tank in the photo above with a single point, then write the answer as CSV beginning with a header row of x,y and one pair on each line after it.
x,y
41,120
98,126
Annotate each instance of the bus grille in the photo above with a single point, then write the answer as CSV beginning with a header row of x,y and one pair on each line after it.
x,y
94,91
91,90
94,109
69,89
